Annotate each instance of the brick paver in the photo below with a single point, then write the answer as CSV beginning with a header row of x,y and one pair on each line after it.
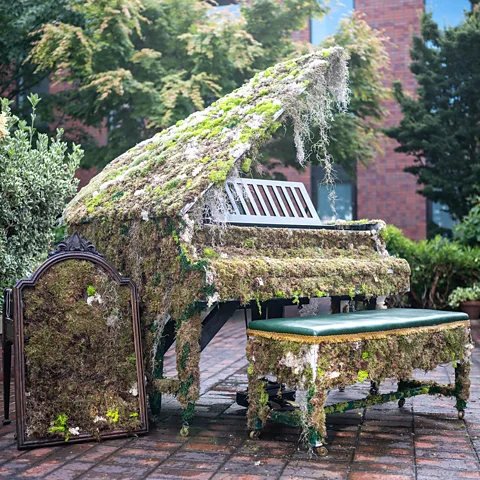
x,y
423,441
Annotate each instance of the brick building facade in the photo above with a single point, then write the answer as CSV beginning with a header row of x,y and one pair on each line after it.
x,y
384,190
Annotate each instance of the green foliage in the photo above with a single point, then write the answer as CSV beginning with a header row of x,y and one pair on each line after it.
x,y
362,375
210,253
438,266
140,66
464,294
36,179
113,415
468,231
60,426
19,24
91,291
441,123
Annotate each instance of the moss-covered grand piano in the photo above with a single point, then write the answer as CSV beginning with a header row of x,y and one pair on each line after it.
x,y
175,215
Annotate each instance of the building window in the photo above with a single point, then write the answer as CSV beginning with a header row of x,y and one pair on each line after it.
x,y
439,220
328,25
345,196
447,13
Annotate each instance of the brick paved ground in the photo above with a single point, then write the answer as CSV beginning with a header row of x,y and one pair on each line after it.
x,y
423,441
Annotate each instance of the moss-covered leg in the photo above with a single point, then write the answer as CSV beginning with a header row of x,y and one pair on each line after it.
x,y
317,430
155,395
402,385
188,360
374,387
257,404
462,386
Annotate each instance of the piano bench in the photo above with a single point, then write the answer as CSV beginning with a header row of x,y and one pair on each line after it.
x,y
328,351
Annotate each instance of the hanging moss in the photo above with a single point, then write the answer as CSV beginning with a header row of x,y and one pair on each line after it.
x,y
85,353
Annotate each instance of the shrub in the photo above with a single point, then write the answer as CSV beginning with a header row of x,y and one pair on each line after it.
x,y
468,231
438,267
461,294
36,179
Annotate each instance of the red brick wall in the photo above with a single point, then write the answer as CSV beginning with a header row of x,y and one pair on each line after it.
x,y
384,190
302,35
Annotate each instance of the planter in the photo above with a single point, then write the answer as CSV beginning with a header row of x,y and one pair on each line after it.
x,y
472,308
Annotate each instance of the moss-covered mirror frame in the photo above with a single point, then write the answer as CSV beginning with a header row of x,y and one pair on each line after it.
x,y
72,248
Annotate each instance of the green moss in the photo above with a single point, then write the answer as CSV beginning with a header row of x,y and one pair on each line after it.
x,y
113,415
60,426
171,184
96,200
221,170
249,243
362,375
246,165
210,253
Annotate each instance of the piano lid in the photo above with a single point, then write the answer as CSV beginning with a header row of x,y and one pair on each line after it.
x,y
171,173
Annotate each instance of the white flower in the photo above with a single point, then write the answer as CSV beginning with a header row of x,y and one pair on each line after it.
x,y
144,215
134,390
99,419
139,192
74,430
213,299
332,375
260,282
209,277
95,298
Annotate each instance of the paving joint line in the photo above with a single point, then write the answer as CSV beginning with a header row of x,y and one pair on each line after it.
x,y
415,472
357,441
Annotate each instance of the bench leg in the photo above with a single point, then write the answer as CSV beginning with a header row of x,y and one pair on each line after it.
x,y
257,405
462,386
317,430
7,372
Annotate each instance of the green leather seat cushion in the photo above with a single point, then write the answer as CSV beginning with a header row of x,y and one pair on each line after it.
x,y
358,322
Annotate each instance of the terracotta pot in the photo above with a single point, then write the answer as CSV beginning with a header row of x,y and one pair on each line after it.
x,y
472,308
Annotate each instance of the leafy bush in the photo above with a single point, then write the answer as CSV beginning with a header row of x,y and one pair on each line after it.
x,y
468,232
466,294
438,267
36,179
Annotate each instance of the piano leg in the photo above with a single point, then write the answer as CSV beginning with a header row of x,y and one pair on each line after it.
x,y
7,373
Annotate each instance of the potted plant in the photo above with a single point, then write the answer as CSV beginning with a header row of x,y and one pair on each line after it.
x,y
468,299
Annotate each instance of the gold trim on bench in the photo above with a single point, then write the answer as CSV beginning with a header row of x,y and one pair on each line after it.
x,y
354,337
